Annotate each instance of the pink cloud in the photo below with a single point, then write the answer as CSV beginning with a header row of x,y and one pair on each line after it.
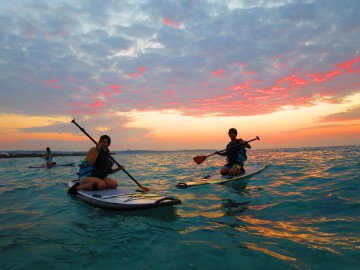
x,y
239,87
171,104
265,91
96,106
170,93
291,82
319,77
141,71
218,72
52,83
348,66
115,88
92,108
78,106
170,23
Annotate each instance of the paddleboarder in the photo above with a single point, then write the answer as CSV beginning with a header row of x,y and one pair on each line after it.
x,y
101,166
235,153
48,158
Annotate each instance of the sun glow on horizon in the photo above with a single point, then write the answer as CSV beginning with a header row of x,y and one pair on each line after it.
x,y
171,125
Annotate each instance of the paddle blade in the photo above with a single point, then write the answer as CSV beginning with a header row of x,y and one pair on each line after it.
x,y
145,189
199,159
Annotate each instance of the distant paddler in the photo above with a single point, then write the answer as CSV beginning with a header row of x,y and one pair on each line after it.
x,y
48,158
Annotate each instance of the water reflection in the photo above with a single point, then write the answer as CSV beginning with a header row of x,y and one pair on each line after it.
x,y
233,208
301,231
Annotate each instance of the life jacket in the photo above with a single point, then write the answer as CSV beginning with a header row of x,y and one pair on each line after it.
x,y
102,166
85,169
235,152
48,157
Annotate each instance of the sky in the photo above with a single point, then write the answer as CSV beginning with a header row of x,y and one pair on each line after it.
x,y
173,75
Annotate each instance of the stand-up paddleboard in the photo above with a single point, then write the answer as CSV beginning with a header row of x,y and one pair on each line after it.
x,y
123,199
218,179
52,166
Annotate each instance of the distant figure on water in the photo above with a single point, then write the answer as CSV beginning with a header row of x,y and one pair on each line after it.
x,y
95,168
235,154
48,158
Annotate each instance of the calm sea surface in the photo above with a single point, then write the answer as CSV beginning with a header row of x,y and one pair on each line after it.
x,y
302,212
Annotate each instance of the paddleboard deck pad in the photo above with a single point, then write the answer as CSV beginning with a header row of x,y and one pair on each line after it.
x,y
52,166
123,199
218,179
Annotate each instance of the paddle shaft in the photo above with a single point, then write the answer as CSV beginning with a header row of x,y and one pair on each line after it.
x,y
128,174
245,142
201,159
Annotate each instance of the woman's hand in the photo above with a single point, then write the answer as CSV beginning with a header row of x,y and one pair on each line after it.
x,y
119,168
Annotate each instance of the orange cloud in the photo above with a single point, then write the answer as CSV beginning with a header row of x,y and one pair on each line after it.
x,y
350,114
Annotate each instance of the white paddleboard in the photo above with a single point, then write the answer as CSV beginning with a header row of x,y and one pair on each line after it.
x,y
52,166
218,179
124,199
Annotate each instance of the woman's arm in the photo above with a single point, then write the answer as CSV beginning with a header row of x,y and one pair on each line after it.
x,y
244,143
119,168
91,155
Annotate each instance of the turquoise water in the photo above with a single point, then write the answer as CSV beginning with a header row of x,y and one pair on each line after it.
x,y
302,212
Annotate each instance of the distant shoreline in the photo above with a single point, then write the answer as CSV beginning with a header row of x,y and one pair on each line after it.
x,y
28,154
40,153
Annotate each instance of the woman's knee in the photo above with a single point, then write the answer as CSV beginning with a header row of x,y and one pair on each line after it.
x,y
100,185
110,183
94,183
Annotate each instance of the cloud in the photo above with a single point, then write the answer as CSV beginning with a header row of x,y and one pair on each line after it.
x,y
216,58
352,113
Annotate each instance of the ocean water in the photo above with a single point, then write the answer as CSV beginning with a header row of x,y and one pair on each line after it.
x,y
302,212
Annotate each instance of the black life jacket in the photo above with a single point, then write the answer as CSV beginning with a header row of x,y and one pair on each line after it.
x,y
235,152
102,166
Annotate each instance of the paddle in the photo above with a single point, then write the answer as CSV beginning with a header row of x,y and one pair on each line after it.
x,y
145,189
201,159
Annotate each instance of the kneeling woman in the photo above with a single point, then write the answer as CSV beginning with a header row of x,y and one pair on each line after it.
x,y
102,166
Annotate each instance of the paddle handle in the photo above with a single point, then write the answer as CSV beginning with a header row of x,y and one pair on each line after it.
x,y
257,138
128,174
